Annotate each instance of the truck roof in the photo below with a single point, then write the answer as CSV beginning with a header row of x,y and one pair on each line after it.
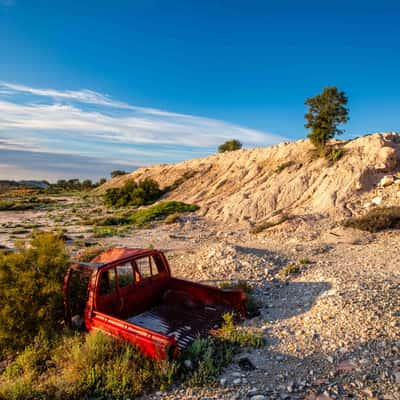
x,y
112,255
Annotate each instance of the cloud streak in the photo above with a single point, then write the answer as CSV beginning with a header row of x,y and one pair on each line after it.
x,y
138,125
88,123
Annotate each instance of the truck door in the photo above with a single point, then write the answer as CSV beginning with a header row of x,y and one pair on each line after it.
x,y
76,293
107,299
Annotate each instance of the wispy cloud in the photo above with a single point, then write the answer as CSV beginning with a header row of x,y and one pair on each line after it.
x,y
89,123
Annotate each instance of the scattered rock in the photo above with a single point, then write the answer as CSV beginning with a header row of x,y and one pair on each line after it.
x,y
386,181
377,200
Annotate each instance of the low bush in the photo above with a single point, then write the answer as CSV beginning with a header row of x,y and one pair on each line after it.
x,y
31,290
159,211
133,194
376,220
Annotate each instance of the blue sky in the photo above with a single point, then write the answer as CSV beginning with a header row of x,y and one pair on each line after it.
x,y
86,88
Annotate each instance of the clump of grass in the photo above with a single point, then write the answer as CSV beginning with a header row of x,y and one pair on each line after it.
x,y
211,354
252,306
283,166
160,211
84,366
376,220
304,261
290,269
240,337
172,218
78,365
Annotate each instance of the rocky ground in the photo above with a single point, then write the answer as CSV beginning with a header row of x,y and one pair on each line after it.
x,y
332,329
331,321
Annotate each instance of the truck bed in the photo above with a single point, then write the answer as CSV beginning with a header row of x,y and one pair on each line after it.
x,y
185,324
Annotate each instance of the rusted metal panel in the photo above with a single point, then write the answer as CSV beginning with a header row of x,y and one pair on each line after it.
x,y
182,323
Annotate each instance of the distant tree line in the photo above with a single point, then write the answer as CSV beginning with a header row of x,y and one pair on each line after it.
x,y
76,184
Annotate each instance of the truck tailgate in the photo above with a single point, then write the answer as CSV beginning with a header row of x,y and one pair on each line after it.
x,y
184,323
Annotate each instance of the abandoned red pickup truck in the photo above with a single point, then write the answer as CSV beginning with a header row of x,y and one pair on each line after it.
x,y
131,294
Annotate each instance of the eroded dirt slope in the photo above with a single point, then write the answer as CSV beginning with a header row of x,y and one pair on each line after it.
x,y
250,186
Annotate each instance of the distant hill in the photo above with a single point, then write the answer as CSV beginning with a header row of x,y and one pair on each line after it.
x,y
249,186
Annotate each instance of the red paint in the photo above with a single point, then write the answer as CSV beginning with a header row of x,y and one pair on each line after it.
x,y
136,284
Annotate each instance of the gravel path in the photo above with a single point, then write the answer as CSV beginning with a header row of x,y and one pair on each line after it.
x,y
332,330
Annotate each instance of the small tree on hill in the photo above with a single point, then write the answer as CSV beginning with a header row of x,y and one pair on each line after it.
x,y
230,145
117,172
326,111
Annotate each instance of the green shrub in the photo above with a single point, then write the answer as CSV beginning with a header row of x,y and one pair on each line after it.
x,y
304,261
376,220
209,356
230,145
240,337
31,290
133,194
159,211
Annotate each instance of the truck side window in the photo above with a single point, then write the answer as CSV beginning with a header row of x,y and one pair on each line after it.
x,y
144,267
125,275
157,264
108,282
